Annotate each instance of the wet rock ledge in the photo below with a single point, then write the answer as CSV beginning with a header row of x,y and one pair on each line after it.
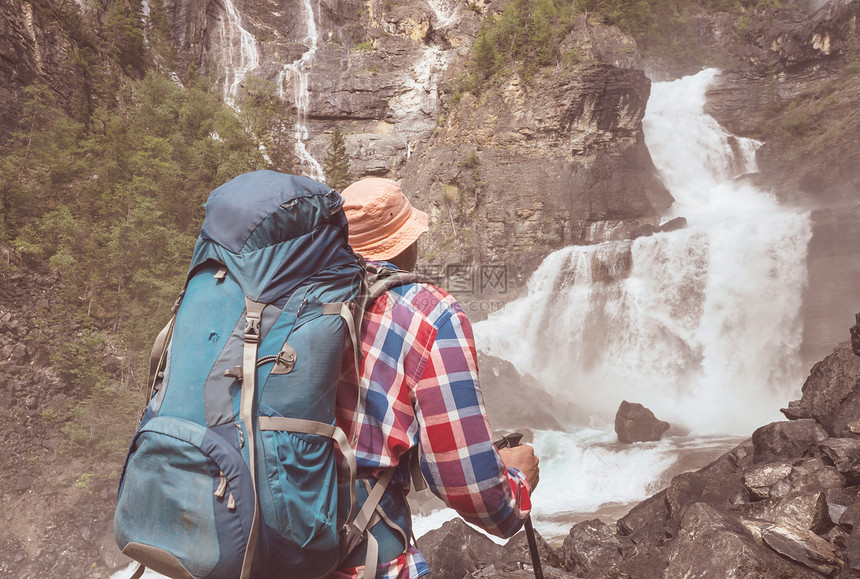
x,y
784,503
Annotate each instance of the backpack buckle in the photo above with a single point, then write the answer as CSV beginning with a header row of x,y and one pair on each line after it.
x,y
252,329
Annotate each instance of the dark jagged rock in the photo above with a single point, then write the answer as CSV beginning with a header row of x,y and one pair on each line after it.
x,y
850,515
635,423
590,548
646,521
855,336
804,510
713,543
689,488
802,546
674,224
519,554
845,454
808,475
831,394
781,440
457,550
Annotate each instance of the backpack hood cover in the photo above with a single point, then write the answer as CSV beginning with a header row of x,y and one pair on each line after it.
x,y
275,232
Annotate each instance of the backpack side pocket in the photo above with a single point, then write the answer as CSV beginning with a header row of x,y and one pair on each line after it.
x,y
186,502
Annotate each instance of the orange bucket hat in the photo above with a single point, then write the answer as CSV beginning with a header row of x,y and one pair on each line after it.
x,y
382,222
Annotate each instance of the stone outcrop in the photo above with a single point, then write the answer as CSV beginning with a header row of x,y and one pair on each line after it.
x,y
635,423
34,45
798,91
517,401
522,169
831,394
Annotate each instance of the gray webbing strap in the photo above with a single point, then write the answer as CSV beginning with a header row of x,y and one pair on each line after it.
x,y
159,348
367,515
372,559
321,429
352,317
159,351
253,322
381,514
418,481
346,310
362,519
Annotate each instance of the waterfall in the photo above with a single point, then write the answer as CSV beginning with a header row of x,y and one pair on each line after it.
x,y
445,12
702,325
295,75
240,55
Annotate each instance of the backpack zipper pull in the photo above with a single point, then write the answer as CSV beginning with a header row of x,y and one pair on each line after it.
x,y
240,435
222,488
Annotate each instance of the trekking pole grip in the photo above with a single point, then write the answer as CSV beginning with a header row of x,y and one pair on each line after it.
x,y
513,440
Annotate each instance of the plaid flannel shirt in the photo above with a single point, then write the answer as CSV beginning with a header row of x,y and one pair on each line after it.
x,y
419,387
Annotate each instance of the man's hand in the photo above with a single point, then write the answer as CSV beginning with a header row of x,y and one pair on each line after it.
x,y
523,459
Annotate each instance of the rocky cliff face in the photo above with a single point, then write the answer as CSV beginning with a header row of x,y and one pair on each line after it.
x,y
522,169
798,91
32,46
507,175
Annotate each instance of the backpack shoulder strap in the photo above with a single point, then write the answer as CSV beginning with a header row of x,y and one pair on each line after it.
x,y
380,280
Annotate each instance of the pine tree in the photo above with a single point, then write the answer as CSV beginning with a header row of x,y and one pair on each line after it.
x,y
336,163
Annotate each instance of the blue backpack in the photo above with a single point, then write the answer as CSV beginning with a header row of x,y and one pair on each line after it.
x,y
232,472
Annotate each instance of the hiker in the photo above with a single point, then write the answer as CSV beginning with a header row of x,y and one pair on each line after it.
x,y
419,391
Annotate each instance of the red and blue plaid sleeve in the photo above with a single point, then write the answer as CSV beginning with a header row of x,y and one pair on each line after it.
x,y
459,461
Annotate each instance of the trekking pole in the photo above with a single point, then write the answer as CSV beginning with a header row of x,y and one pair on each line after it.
x,y
513,440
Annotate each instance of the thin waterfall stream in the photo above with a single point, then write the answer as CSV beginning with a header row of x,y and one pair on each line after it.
x,y
295,75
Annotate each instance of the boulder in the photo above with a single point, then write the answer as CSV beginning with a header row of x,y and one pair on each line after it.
x,y
831,393
590,547
855,336
646,521
674,224
758,480
845,454
711,543
804,510
689,488
635,423
518,552
785,440
803,546
852,552
457,550
806,476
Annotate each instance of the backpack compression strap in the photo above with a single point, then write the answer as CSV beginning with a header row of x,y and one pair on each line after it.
x,y
158,355
252,336
253,322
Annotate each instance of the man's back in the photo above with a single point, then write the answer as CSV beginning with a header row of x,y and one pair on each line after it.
x,y
419,389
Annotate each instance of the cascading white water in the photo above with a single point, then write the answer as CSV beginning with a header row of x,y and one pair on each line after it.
x,y
445,12
240,55
701,325
295,75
